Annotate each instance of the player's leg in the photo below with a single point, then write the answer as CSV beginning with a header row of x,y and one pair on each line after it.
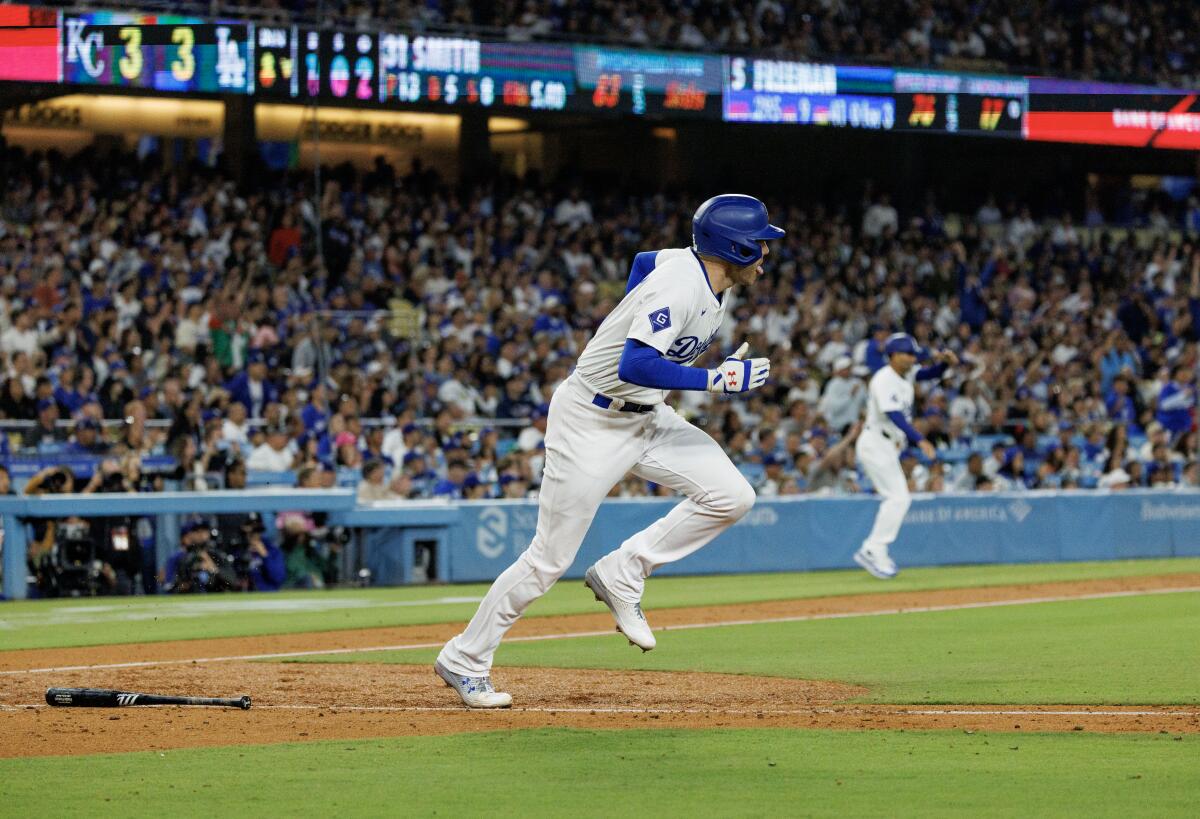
x,y
686,459
881,463
588,450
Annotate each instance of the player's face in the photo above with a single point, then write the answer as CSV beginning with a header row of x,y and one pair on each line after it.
x,y
903,362
750,273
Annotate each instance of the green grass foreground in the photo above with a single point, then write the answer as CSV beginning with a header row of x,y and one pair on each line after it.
x,y
560,772
101,621
1135,650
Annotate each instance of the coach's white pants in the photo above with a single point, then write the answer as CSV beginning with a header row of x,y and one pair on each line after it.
x,y
880,460
588,451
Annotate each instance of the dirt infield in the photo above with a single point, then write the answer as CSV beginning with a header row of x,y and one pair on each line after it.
x,y
308,702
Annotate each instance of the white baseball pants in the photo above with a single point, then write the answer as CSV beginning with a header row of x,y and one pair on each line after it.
x,y
588,451
880,460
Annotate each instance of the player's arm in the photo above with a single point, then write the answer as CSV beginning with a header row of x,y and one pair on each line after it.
x,y
942,361
645,366
914,436
889,405
664,308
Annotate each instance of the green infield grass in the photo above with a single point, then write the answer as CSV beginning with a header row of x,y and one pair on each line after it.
x,y
101,621
561,772
1138,650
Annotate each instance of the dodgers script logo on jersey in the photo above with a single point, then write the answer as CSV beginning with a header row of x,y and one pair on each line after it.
x,y
687,349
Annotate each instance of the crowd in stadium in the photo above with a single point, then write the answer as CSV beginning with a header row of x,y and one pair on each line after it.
x,y
166,313
1115,40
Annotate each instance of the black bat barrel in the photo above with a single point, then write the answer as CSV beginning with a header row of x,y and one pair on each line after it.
x,y
109,698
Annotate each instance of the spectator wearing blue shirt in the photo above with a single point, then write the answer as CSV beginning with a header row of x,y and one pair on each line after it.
x,y
252,388
45,430
1177,402
451,486
873,356
317,411
1120,403
265,564
87,440
516,403
552,319
423,480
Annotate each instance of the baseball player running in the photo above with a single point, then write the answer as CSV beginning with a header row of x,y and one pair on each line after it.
x,y
608,418
889,408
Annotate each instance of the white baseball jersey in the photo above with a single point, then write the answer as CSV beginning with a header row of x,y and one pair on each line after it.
x,y
890,392
878,451
673,309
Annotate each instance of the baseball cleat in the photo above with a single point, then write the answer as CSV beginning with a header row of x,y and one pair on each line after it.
x,y
476,692
630,620
880,566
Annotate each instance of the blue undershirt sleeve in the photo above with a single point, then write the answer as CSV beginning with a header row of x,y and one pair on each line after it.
x,y
643,263
931,372
645,366
899,420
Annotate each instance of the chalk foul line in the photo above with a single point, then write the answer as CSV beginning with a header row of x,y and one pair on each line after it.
x,y
573,635
769,712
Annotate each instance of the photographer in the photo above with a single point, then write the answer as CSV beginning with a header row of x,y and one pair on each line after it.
x,y
198,566
52,480
116,539
261,565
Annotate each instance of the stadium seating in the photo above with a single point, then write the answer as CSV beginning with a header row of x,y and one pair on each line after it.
x,y
162,325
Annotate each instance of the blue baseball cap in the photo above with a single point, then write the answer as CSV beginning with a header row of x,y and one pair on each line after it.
x,y
45,404
901,343
190,525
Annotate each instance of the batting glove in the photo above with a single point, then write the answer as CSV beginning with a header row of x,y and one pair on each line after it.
x,y
738,374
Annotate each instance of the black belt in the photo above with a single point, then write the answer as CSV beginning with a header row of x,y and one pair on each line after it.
x,y
604,402
884,433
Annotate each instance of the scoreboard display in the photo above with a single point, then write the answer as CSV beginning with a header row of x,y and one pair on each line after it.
x,y
960,103
648,82
276,63
176,54
159,52
465,71
801,93
1104,114
959,114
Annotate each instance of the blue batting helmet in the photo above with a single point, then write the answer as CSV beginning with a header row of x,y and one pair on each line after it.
x,y
730,226
901,343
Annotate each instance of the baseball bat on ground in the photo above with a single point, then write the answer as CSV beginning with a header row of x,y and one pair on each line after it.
x,y
108,698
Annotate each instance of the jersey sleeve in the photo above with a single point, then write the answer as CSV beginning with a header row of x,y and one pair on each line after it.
x,y
888,396
664,306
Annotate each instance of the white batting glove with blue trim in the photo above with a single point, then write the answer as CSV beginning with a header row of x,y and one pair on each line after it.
x,y
739,374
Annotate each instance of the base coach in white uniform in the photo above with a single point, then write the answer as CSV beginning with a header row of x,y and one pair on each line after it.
x,y
888,428
608,418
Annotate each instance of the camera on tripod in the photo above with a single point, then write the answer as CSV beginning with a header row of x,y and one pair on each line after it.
x,y
73,567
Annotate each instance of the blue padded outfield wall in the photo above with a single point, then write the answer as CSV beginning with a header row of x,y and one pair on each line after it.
x,y
806,533
476,540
